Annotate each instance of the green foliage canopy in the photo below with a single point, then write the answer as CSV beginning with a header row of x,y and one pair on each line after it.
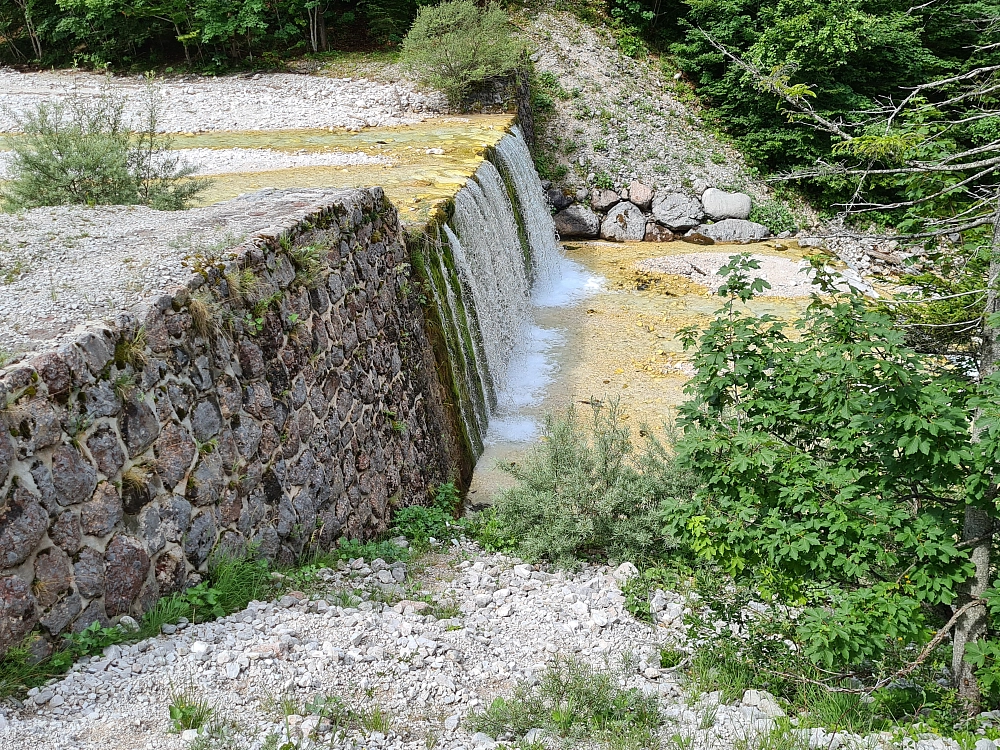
x,y
457,45
837,464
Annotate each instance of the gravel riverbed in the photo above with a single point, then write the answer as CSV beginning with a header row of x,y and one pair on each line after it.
x,y
507,623
263,101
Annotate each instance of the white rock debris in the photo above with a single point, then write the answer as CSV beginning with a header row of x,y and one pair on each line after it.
x,y
509,620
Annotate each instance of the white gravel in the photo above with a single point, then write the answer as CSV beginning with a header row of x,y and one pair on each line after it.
x,y
427,675
61,267
271,101
211,161
788,277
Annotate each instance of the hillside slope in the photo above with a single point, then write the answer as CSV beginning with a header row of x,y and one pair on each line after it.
x,y
619,117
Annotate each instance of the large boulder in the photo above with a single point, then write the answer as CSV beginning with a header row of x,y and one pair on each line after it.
x,y
624,222
641,195
656,233
735,230
677,211
603,200
558,198
722,205
577,221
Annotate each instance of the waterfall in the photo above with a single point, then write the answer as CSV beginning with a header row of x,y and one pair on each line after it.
x,y
545,254
498,247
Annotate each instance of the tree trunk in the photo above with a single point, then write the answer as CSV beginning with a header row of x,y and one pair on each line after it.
x,y
321,23
978,527
187,52
313,14
36,42
972,625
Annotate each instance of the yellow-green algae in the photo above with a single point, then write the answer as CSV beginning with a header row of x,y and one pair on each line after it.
x,y
417,179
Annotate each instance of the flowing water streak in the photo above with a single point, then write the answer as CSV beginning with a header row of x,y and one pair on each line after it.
x,y
490,260
546,256
502,245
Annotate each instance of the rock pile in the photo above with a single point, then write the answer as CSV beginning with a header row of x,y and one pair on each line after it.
x,y
479,624
640,213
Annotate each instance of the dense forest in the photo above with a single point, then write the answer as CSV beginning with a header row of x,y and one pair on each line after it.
x,y
848,52
208,33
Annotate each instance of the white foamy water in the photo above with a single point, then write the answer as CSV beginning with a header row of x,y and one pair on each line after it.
x,y
503,283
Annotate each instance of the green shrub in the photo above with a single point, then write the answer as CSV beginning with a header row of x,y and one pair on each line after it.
x,y
774,215
586,493
418,523
86,152
457,45
575,701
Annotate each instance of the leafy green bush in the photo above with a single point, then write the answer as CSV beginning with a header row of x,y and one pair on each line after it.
x,y
418,523
774,215
457,45
86,152
810,444
586,492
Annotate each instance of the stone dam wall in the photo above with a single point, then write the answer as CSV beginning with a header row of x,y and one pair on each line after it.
x,y
285,397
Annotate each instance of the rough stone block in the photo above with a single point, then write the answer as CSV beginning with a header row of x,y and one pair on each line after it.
x,y
139,427
17,611
107,450
100,515
126,565
175,450
88,572
22,525
52,576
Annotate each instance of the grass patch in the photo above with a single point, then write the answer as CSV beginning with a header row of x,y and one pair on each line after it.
x,y
188,710
577,702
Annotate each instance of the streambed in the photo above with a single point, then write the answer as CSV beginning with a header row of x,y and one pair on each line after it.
x,y
419,165
612,335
